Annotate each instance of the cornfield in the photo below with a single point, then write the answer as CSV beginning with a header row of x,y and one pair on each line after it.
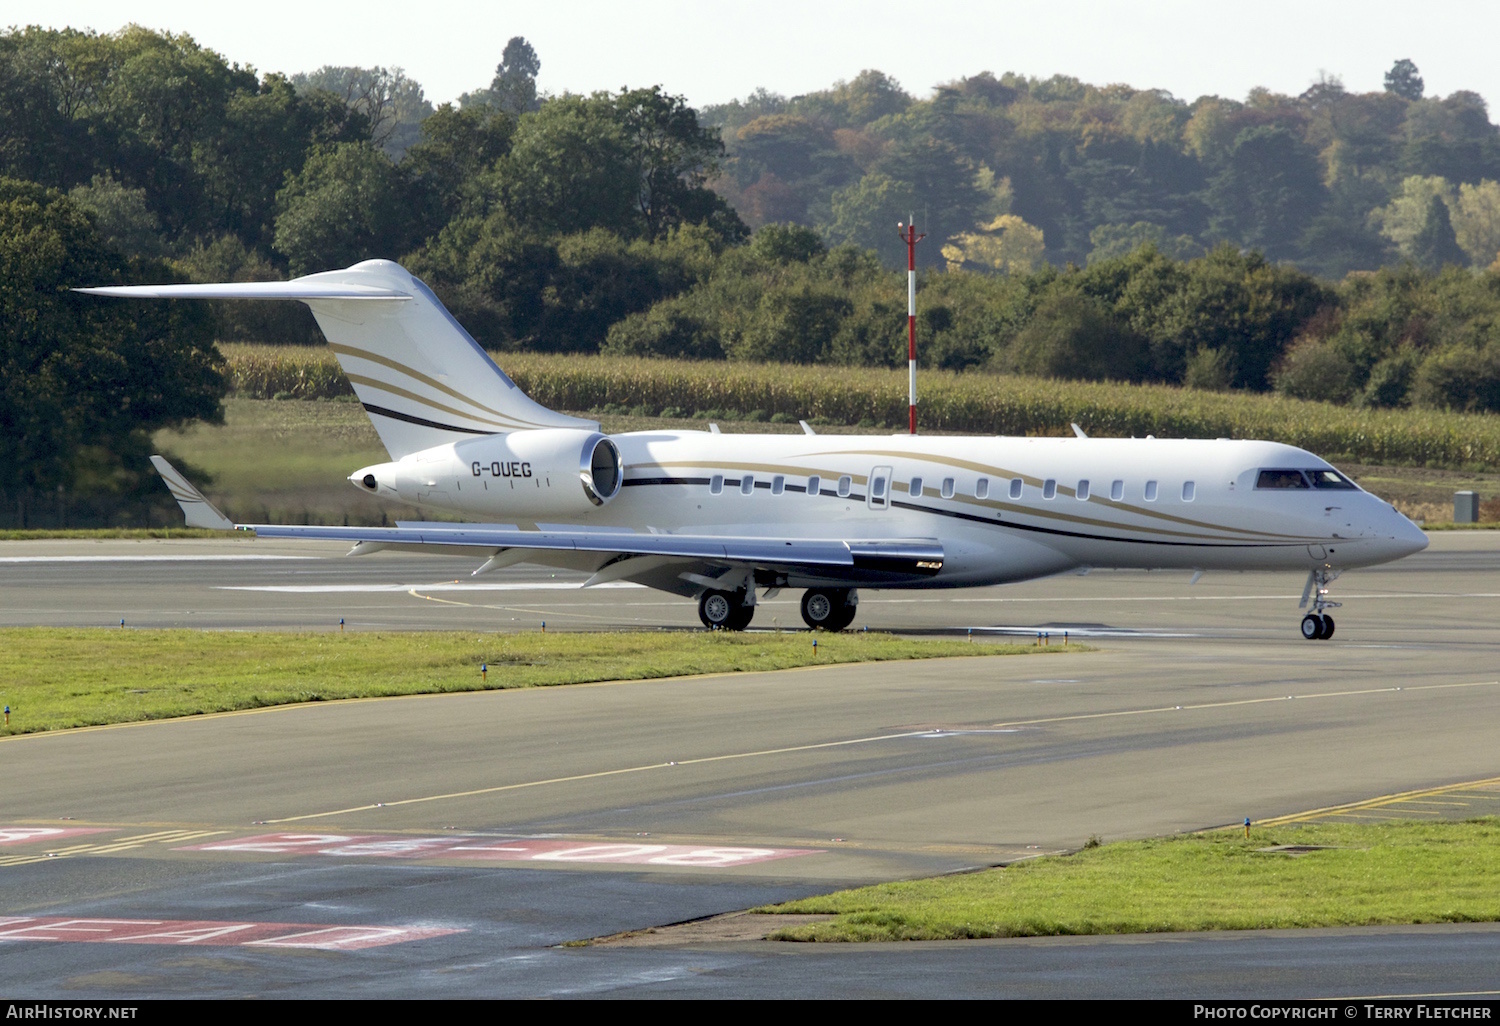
x,y
972,403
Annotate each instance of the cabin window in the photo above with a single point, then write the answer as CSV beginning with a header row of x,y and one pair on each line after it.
x,y
1188,491
1049,489
948,488
778,484
982,488
1331,479
844,483
1117,490
916,488
1280,479
1083,490
814,483
716,484
1150,491
747,484
877,487
1015,488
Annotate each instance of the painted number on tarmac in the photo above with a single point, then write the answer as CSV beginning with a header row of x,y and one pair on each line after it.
x,y
210,933
484,849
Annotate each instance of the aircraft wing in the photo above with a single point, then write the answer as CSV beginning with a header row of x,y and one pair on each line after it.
x,y
840,558
675,562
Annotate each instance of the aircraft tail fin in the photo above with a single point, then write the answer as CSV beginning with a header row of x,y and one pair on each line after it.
x,y
421,377
196,508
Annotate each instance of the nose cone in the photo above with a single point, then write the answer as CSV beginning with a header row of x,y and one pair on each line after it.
x,y
1392,536
1408,538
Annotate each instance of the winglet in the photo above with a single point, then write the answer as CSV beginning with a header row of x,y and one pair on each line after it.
x,y
197,509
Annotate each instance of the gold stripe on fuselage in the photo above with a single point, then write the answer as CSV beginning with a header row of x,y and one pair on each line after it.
x,y
1243,534
1065,490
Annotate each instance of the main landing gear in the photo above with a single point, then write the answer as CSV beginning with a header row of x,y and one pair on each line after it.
x,y
832,609
1318,625
726,610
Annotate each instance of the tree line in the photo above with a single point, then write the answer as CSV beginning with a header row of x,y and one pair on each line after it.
x,y
1331,245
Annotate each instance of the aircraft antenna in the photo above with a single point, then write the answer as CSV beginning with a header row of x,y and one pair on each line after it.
x,y
908,234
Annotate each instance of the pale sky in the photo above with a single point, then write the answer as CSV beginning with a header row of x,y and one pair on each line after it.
x,y
712,52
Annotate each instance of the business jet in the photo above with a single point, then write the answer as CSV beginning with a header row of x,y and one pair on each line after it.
x,y
726,518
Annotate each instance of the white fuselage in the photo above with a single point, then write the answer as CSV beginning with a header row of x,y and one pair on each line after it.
x,y
1005,509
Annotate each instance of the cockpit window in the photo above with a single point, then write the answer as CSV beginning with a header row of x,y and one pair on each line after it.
x,y
1281,479
1331,479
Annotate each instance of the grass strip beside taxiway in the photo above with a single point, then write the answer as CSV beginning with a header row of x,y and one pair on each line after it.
x,y
1358,875
56,678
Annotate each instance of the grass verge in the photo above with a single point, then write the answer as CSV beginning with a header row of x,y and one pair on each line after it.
x,y
1387,873
53,678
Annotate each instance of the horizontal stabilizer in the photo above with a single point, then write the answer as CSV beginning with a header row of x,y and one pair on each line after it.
x,y
303,290
420,376
198,511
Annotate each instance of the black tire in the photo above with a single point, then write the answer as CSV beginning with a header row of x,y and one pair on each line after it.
x,y
716,609
740,618
1312,627
827,608
845,618
1327,627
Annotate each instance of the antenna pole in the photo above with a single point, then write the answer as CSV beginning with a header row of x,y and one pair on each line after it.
x,y
908,234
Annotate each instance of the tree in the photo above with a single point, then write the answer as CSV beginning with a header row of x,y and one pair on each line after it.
x,y
83,380
570,169
514,86
1476,221
513,89
1116,240
1404,81
1419,223
1268,192
1005,244
348,203
391,103
1435,246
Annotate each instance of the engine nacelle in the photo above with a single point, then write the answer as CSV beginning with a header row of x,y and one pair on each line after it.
x,y
551,473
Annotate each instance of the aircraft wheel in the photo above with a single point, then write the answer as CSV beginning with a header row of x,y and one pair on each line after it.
x,y
1312,627
1327,627
828,608
740,618
716,609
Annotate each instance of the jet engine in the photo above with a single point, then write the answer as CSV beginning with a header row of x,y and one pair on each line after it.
x,y
550,473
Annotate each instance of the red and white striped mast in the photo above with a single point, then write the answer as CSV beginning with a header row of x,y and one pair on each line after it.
x,y
908,234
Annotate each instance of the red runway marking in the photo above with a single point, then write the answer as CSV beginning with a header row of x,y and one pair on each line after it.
x,y
210,933
485,849
26,835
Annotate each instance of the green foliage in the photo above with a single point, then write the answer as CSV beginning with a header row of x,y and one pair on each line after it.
x,y
84,381
349,203
513,89
1404,81
1074,336
390,103
58,678
967,403
1396,873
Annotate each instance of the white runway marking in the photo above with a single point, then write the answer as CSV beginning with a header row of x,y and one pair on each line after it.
x,y
331,589
147,559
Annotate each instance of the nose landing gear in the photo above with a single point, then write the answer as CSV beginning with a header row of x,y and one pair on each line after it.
x,y
1318,625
